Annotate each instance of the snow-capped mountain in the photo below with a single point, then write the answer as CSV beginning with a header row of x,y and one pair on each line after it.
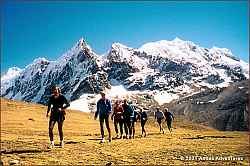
x,y
7,80
176,66
76,72
163,68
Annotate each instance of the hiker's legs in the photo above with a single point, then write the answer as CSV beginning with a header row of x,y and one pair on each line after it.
x,y
159,123
133,128
126,127
101,126
107,126
121,125
129,128
116,128
169,123
51,126
162,129
143,127
60,130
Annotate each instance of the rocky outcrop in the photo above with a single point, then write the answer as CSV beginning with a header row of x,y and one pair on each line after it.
x,y
223,109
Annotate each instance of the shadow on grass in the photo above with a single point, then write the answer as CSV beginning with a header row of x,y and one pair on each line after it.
x,y
156,133
210,136
24,151
74,142
95,139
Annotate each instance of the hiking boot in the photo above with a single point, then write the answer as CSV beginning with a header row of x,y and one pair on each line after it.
x,y
103,140
110,139
51,145
61,144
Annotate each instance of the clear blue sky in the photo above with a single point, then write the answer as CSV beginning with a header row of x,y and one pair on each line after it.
x,y
45,29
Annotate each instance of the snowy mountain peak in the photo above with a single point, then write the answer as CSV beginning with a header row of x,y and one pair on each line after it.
x,y
11,73
117,45
80,51
120,53
81,43
37,64
40,61
177,40
7,79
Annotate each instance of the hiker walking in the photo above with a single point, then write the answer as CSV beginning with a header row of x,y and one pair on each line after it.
x,y
143,117
133,119
159,116
128,111
117,116
103,110
169,118
57,114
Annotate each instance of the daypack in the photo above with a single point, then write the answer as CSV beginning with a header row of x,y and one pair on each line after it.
x,y
128,111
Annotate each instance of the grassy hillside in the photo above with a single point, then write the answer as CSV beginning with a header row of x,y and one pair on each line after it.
x,y
24,140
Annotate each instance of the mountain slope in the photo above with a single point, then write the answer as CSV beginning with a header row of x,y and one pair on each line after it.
x,y
223,109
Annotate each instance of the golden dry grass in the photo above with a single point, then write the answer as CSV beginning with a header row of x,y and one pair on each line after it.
x,y
26,141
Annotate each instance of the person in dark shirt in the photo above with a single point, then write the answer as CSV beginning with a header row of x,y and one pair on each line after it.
x,y
169,118
159,116
104,109
57,114
117,116
133,120
128,111
143,117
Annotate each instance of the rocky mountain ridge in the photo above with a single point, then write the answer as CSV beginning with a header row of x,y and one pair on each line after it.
x,y
176,67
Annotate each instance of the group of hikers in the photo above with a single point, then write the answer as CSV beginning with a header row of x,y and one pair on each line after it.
x,y
123,113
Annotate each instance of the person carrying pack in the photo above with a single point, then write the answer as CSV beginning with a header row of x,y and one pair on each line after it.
x,y
127,114
133,119
103,110
159,116
143,117
57,114
169,119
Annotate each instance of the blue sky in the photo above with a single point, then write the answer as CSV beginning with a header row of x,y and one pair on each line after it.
x,y
48,29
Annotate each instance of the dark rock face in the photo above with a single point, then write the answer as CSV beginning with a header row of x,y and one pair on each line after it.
x,y
214,79
92,84
223,109
235,73
119,70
